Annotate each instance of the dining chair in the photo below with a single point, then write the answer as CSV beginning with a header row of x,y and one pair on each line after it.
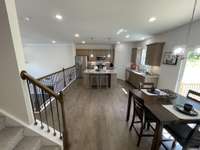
x,y
193,95
139,111
148,118
186,136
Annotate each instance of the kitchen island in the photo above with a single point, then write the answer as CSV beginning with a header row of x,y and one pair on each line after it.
x,y
100,78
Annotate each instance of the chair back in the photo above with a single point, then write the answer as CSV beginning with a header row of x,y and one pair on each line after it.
x,y
147,85
193,139
193,95
139,107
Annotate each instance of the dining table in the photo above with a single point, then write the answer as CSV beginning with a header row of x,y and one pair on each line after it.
x,y
155,105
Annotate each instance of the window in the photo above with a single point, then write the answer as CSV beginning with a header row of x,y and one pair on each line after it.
x,y
143,56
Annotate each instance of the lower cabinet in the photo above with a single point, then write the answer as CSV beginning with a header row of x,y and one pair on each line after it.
x,y
135,79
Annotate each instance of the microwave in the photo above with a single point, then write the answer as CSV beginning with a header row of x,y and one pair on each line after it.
x,y
100,58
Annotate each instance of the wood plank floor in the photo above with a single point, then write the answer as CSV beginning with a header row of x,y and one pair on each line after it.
x,y
96,119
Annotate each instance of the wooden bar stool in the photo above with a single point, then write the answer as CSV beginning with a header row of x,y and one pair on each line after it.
x,y
94,80
104,78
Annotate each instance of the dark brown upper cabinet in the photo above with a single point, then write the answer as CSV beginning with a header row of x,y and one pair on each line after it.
x,y
96,53
154,54
134,55
82,52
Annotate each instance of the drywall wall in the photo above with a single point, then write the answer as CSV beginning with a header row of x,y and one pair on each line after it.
x,y
43,59
169,75
122,60
13,92
94,46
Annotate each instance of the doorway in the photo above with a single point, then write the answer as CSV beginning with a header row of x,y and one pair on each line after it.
x,y
191,74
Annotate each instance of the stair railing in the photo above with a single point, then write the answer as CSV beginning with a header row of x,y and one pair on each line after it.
x,y
53,115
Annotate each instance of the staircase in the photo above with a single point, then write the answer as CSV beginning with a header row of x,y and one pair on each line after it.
x,y
16,138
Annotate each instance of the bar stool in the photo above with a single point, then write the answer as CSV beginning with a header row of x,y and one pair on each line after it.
x,y
93,80
103,81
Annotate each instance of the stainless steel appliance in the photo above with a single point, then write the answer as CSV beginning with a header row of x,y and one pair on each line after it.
x,y
81,65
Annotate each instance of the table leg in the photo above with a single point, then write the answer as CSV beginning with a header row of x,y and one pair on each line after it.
x,y
157,136
128,106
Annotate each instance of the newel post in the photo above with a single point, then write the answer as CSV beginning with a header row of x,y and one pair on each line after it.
x,y
66,144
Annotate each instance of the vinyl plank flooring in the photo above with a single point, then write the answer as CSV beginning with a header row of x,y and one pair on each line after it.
x,y
95,119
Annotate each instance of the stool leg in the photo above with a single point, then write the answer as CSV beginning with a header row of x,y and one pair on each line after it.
x,y
99,81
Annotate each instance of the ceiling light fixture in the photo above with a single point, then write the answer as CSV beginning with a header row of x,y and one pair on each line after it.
x,y
127,36
118,42
76,35
59,17
54,42
83,42
120,31
152,19
27,19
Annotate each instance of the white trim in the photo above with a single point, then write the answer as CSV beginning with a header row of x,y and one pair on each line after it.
x,y
37,129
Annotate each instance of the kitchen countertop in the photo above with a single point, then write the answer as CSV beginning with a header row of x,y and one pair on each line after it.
x,y
143,74
92,71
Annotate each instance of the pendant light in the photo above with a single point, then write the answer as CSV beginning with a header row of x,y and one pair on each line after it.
x,y
109,54
92,55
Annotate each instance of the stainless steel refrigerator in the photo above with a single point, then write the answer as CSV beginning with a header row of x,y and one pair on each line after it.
x,y
81,65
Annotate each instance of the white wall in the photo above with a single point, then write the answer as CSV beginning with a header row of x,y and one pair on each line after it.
x,y
169,75
43,59
94,46
13,91
123,53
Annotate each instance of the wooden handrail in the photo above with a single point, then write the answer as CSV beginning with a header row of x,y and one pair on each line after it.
x,y
25,76
55,73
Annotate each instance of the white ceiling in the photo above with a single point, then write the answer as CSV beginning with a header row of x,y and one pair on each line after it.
x,y
100,19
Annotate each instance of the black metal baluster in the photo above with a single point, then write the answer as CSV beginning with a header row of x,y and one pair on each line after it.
x,y
52,116
28,84
64,77
45,110
38,105
58,118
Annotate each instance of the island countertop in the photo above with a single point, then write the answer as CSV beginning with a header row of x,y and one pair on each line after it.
x,y
93,71
100,80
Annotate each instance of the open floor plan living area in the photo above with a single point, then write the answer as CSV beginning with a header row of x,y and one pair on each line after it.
x,y
100,75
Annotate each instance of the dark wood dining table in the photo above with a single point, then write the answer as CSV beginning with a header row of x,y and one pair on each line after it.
x,y
155,105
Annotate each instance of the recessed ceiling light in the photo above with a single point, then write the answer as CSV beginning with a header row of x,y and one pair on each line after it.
x,y
27,19
59,17
120,31
118,42
54,42
152,19
77,35
142,38
127,36
83,42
